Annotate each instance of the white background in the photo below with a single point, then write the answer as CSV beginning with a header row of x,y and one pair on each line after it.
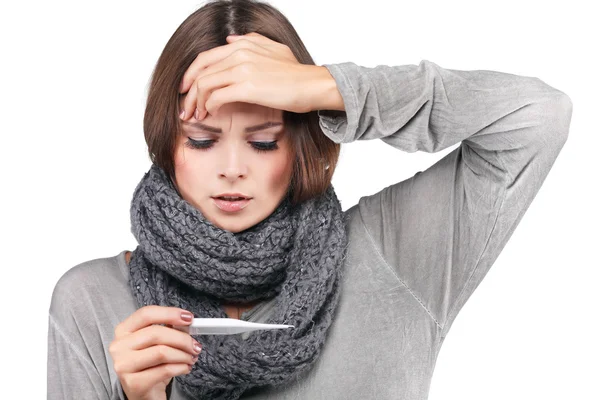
x,y
73,80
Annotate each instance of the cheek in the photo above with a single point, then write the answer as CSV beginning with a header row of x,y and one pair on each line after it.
x,y
279,173
188,168
182,161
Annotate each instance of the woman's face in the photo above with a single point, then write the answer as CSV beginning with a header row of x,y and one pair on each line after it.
x,y
229,162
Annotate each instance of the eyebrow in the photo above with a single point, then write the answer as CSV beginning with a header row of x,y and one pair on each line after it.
x,y
248,129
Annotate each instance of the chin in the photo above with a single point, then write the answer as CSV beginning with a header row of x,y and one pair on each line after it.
x,y
233,228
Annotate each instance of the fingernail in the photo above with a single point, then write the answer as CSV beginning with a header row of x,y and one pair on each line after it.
x,y
196,114
186,316
197,347
182,114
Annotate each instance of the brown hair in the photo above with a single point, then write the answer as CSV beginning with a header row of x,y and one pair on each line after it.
x,y
316,155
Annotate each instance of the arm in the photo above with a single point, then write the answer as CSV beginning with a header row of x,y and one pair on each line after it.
x,y
441,230
78,364
71,375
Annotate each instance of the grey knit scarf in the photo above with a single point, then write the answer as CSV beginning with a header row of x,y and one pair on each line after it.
x,y
183,260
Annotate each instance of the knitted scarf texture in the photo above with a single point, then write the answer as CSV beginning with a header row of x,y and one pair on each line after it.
x,y
295,254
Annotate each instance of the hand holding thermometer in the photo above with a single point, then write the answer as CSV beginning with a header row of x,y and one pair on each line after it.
x,y
224,326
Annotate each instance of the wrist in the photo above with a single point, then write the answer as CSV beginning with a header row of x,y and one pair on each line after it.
x,y
327,97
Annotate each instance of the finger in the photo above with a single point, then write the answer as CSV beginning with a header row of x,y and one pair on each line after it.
x,y
160,335
189,103
201,61
274,48
240,56
207,84
213,56
147,379
156,355
253,37
192,101
252,43
229,94
149,315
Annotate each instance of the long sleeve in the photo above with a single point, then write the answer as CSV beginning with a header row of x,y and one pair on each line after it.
x,y
441,230
78,363
71,375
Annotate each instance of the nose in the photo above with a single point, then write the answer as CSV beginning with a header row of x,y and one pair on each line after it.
x,y
234,165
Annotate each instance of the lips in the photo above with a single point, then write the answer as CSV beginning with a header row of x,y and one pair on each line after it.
x,y
231,206
232,196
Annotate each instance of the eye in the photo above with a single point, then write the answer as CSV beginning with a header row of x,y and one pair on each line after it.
x,y
199,144
265,146
207,144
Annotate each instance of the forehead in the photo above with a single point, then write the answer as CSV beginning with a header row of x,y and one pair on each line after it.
x,y
240,110
247,110
245,119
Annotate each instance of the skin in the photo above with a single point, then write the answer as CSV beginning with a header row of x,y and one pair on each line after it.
x,y
233,165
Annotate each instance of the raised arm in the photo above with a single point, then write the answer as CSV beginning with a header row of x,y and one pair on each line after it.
x,y
443,228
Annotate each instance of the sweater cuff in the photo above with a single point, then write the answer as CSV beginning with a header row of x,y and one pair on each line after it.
x,y
339,126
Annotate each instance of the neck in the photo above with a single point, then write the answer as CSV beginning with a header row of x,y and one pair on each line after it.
x,y
233,310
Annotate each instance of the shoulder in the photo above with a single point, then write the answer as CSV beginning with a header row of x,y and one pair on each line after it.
x,y
88,275
88,302
89,287
350,215
355,228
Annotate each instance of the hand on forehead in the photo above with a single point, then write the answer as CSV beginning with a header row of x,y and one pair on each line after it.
x,y
240,114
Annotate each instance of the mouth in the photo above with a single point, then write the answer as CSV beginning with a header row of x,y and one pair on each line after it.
x,y
231,198
231,204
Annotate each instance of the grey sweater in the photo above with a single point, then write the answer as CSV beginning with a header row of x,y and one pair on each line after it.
x,y
418,248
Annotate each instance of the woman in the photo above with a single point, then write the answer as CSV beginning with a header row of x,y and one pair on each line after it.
x,y
371,292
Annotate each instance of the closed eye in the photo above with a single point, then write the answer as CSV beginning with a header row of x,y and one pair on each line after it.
x,y
207,144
